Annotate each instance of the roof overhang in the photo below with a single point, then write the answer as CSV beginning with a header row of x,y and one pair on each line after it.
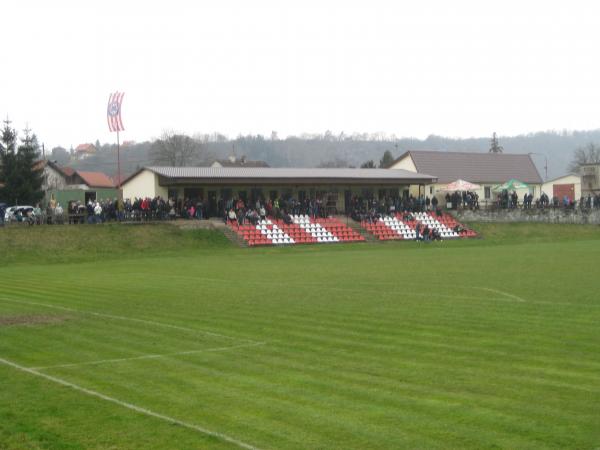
x,y
165,181
178,176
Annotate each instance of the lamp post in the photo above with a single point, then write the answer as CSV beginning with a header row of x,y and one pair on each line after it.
x,y
545,163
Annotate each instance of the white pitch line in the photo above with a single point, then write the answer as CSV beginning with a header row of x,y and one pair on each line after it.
x,y
127,405
165,355
131,319
505,294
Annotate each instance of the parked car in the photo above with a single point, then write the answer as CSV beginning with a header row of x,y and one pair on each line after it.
x,y
19,213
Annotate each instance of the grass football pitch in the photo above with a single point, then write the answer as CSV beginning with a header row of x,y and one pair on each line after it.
x,y
164,339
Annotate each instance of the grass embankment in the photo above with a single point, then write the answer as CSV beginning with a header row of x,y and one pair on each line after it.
x,y
52,244
40,245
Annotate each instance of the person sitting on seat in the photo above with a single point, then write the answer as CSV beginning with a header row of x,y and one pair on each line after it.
x,y
252,217
231,216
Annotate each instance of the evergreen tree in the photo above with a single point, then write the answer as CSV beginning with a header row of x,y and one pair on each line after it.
x,y
387,160
368,165
22,181
495,147
30,186
8,160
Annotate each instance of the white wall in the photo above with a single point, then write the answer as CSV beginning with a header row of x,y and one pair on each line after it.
x,y
53,179
144,184
405,163
548,187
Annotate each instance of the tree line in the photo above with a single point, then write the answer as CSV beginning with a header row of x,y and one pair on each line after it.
x,y
564,150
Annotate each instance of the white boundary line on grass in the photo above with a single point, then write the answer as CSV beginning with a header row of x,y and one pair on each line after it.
x,y
127,405
165,355
505,294
131,319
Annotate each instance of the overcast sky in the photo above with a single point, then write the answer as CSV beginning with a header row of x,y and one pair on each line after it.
x,y
412,68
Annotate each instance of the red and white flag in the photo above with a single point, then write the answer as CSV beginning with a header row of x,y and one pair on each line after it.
x,y
113,112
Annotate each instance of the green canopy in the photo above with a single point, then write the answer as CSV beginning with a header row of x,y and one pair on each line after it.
x,y
511,185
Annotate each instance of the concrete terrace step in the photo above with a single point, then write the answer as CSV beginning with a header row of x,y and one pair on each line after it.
x,y
356,227
218,224
233,236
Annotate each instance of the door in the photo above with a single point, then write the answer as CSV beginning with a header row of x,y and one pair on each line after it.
x,y
212,204
560,190
90,195
348,201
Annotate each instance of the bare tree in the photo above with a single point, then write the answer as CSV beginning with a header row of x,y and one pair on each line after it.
x,y
334,163
584,155
177,150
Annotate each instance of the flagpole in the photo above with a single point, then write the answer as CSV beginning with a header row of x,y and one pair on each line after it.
x,y
118,162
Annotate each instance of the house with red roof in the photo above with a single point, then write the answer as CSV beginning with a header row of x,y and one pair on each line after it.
x,y
83,151
95,179
65,184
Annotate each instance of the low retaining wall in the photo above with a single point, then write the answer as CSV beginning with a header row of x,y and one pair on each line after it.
x,y
575,216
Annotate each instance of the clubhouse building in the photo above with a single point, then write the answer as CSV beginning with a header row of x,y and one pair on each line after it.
x,y
334,186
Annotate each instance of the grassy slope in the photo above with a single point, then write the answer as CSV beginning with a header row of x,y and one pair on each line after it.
x,y
39,245
368,346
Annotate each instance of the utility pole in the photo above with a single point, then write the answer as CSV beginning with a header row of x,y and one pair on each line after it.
x,y
545,163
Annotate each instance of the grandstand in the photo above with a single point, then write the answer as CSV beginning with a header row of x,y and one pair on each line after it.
x,y
401,227
303,230
390,228
307,230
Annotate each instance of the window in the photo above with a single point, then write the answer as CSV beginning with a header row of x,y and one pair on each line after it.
x,y
487,192
90,195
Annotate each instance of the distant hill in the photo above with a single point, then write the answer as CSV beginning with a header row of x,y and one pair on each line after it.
x,y
313,150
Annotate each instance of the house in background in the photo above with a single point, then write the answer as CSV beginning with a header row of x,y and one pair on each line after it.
x,y
590,179
83,151
53,176
486,169
232,161
66,184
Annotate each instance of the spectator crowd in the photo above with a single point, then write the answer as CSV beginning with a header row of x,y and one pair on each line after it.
x,y
236,209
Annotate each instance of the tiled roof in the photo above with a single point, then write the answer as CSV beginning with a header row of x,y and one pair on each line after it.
x,y
286,175
68,171
96,179
267,173
42,163
85,148
475,167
